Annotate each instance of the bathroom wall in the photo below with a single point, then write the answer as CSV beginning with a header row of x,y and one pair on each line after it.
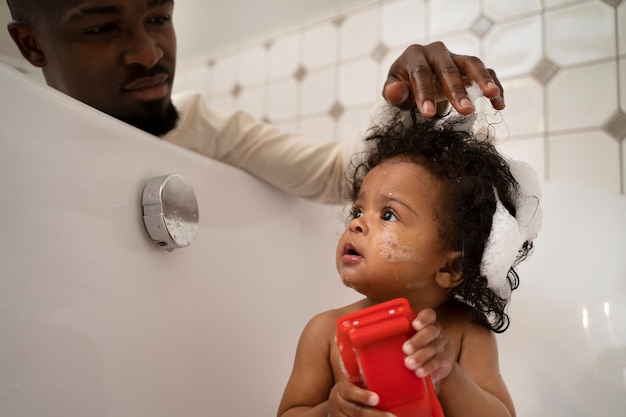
x,y
562,64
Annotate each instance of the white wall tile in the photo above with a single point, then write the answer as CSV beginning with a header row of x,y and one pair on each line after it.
x,y
252,100
225,73
282,100
318,91
582,97
322,127
357,83
514,48
287,126
403,23
339,67
566,42
623,150
621,27
622,83
551,3
590,159
254,65
225,103
524,110
199,78
354,123
319,45
284,56
385,64
530,150
358,34
452,16
504,9
182,81
463,43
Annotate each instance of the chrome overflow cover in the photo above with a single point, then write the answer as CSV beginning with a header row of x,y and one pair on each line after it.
x,y
170,211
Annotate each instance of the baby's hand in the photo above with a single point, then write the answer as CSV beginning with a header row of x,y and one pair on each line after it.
x,y
348,400
429,351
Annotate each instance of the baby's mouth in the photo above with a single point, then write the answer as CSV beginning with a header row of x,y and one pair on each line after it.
x,y
350,250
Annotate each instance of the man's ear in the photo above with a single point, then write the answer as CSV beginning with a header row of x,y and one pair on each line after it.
x,y
26,40
450,275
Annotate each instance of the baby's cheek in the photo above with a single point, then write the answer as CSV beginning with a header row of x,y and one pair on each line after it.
x,y
392,249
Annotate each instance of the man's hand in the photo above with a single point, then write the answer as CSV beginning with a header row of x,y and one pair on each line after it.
x,y
428,75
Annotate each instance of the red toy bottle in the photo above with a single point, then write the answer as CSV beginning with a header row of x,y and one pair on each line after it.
x,y
370,343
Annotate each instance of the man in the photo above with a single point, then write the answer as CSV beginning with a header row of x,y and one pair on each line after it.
x,y
119,56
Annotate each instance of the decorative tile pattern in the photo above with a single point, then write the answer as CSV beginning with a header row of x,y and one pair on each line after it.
x,y
236,90
300,73
336,111
481,26
562,64
616,126
379,53
545,71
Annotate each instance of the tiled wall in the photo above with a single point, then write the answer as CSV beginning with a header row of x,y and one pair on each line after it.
x,y
562,64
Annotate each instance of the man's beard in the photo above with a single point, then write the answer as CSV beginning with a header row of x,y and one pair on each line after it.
x,y
155,123
153,120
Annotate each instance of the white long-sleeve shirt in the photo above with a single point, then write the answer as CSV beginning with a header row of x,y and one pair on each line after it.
x,y
302,166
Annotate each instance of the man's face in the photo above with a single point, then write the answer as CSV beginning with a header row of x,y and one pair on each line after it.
x,y
118,56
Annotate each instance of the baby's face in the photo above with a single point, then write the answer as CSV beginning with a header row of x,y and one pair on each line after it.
x,y
391,247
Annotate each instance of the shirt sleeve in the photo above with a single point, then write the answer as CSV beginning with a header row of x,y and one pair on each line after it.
x,y
309,168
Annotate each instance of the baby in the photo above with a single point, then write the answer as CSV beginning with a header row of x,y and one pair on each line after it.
x,y
440,218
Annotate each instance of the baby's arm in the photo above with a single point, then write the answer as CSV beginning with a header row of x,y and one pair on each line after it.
x,y
469,386
311,390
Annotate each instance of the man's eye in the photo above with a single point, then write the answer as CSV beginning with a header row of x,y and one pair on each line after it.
x,y
389,216
101,30
160,20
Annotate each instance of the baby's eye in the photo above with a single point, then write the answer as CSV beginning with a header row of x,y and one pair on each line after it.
x,y
388,215
355,213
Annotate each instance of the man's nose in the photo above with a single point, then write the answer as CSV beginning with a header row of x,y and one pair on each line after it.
x,y
142,49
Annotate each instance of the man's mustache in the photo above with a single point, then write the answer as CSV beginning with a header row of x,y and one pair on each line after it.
x,y
137,72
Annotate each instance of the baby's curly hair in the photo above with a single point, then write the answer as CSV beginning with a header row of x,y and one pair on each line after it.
x,y
470,169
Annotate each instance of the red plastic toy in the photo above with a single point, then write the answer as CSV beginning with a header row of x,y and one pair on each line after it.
x,y
370,343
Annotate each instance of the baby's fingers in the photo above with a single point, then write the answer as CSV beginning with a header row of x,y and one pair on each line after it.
x,y
348,400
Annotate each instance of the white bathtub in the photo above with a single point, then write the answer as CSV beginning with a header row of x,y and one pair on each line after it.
x,y
96,320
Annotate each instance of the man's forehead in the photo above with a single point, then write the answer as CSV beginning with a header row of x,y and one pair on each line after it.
x,y
109,4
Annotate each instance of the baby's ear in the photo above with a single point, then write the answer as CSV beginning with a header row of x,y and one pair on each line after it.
x,y
450,275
